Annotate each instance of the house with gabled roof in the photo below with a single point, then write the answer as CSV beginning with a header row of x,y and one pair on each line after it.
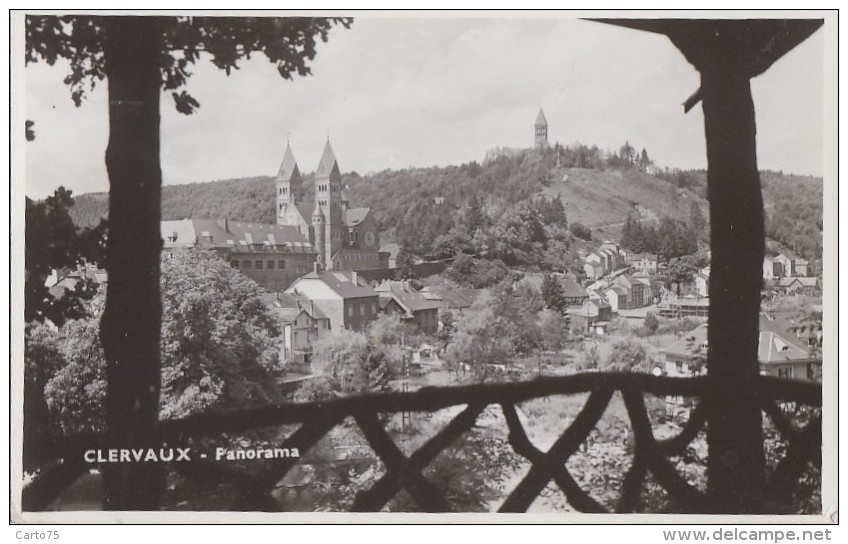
x,y
303,324
777,353
398,297
617,296
340,295
593,269
644,263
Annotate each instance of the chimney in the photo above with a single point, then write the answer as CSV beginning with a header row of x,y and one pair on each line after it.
x,y
316,267
354,277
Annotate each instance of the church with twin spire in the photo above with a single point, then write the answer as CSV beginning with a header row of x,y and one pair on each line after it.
x,y
343,238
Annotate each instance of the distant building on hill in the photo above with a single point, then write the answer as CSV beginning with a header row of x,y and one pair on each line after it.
x,y
541,131
271,255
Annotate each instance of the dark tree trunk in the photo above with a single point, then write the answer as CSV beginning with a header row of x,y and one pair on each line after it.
x,y
734,432
130,328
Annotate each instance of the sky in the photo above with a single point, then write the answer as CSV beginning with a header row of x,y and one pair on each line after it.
x,y
405,92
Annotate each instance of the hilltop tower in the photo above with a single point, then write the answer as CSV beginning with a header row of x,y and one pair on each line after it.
x,y
328,197
541,134
288,181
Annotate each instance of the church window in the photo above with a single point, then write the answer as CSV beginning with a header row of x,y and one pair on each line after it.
x,y
259,265
784,372
281,265
271,265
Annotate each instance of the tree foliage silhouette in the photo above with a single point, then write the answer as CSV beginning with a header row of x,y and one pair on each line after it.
x,y
140,57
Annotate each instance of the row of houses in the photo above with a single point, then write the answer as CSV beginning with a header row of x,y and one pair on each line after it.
x,y
598,303
608,258
624,291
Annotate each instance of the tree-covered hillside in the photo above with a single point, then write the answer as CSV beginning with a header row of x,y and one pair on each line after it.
x,y
598,190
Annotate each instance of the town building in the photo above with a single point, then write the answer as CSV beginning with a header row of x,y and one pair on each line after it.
x,y
344,238
303,324
771,269
271,255
644,263
572,292
593,269
702,282
617,297
340,296
398,297
779,353
453,299
799,285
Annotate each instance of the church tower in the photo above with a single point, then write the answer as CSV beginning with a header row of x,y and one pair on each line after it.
x,y
288,181
541,140
328,198
318,229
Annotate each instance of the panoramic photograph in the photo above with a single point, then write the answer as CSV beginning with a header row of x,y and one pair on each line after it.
x,y
422,263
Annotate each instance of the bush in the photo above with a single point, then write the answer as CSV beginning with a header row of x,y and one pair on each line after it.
x,y
580,231
628,356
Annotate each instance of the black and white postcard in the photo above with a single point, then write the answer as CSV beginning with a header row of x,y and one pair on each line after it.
x,y
431,266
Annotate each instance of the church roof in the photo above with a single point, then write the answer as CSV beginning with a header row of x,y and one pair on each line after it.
x,y
304,210
327,163
355,216
288,168
540,119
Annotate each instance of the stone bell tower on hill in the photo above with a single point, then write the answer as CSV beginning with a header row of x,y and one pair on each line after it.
x,y
541,134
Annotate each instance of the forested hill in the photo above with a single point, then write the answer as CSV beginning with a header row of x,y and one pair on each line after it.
x,y
416,205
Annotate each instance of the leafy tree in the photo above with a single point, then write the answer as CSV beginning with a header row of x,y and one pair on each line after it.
x,y
347,363
141,57
652,323
644,161
696,218
447,321
388,329
54,243
479,341
475,216
553,330
405,262
220,348
552,294
628,356
678,272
